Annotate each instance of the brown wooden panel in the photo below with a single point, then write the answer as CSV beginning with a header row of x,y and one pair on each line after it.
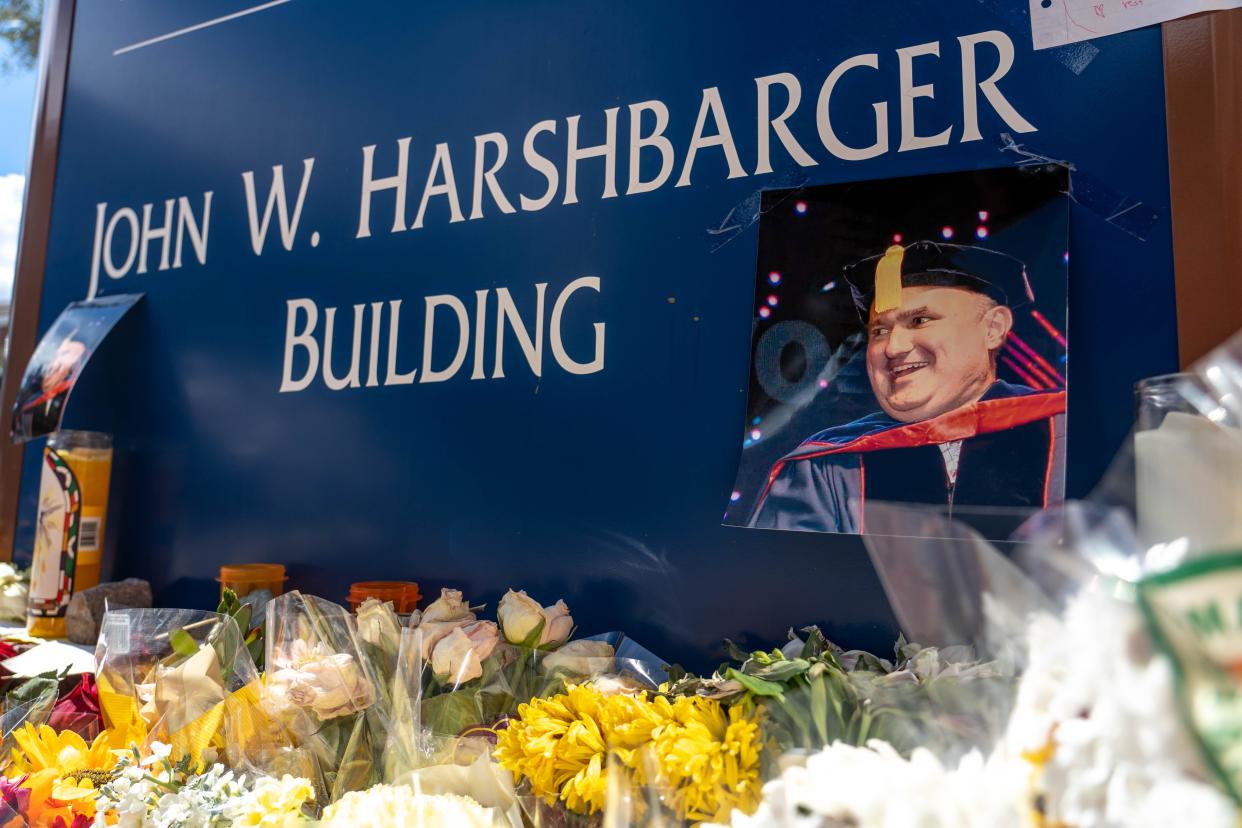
x,y
32,246
1203,81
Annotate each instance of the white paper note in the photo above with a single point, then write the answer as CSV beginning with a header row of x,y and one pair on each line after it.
x,y
1058,22
51,656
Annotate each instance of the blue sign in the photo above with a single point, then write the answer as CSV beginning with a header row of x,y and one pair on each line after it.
x,y
463,292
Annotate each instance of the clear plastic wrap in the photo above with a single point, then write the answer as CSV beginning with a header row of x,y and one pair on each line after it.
x,y
461,678
1110,625
183,677
29,702
329,686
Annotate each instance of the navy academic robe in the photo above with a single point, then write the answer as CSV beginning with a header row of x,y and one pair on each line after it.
x,y
1012,459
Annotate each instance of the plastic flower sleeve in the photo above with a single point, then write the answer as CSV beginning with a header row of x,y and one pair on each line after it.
x,y
635,758
182,677
31,703
330,688
964,608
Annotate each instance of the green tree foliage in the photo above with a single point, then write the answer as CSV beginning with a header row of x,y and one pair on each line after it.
x,y
19,34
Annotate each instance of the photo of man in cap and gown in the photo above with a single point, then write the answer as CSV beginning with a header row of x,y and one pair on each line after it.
x,y
948,433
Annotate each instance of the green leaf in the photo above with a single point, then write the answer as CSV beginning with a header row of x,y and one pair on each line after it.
x,y
783,670
735,652
758,686
356,769
450,713
816,643
183,644
254,646
819,709
243,616
43,686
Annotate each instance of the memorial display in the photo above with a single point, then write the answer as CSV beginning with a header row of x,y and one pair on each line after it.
x,y
394,363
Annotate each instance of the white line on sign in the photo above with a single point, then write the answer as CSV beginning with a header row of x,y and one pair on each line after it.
x,y
197,26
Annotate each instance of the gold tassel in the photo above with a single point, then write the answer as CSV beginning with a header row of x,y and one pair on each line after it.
x,y
888,280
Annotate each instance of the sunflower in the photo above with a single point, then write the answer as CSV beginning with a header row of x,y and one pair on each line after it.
x,y
708,755
61,771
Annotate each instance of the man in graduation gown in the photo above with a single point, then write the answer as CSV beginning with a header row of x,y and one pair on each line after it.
x,y
41,399
949,433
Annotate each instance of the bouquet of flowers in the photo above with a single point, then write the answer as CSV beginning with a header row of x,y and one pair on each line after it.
x,y
184,678
156,792
328,685
466,675
635,757
815,694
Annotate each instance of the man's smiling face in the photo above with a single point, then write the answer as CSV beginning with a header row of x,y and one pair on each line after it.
x,y
934,352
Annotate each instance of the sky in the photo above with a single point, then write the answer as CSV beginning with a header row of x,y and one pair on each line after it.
x,y
16,111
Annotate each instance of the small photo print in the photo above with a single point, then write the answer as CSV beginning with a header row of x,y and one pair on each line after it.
x,y
58,361
909,347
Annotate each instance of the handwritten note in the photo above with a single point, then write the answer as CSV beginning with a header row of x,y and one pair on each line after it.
x,y
1058,22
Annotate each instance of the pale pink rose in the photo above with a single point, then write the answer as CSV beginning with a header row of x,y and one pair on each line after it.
x,y
446,613
330,686
459,656
557,624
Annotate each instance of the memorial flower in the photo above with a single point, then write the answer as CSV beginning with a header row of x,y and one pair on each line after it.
x,y
520,616
60,770
459,656
560,746
329,684
709,754
156,792
445,614
402,805
875,787
271,803
378,626
43,748
1096,725
14,802
706,755
79,710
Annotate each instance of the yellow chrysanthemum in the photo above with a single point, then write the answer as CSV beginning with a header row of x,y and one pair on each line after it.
x,y
559,745
705,754
709,756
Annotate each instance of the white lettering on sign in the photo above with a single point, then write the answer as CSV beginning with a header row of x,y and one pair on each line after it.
x,y
120,240
710,144
449,334
839,113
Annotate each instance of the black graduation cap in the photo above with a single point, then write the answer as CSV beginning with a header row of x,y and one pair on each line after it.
x,y
876,281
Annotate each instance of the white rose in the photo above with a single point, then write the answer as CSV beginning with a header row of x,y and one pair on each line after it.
x,y
378,626
448,607
518,614
459,656
581,658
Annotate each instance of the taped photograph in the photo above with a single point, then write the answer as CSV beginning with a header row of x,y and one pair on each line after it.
x,y
59,360
909,347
